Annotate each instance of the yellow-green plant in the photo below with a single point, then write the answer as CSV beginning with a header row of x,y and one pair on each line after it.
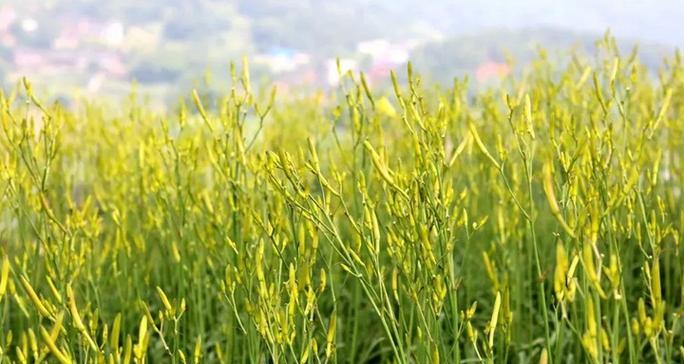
x,y
536,221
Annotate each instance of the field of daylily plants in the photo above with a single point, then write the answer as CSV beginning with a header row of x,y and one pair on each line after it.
x,y
538,220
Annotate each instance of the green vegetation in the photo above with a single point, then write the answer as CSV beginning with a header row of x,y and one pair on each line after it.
x,y
539,221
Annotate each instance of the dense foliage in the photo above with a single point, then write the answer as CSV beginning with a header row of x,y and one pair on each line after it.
x,y
539,221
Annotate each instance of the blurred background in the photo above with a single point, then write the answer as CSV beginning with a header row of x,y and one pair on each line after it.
x,y
94,47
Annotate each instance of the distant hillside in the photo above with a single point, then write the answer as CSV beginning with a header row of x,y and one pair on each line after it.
x,y
460,55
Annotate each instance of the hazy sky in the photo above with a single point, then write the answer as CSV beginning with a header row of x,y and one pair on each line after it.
x,y
655,20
